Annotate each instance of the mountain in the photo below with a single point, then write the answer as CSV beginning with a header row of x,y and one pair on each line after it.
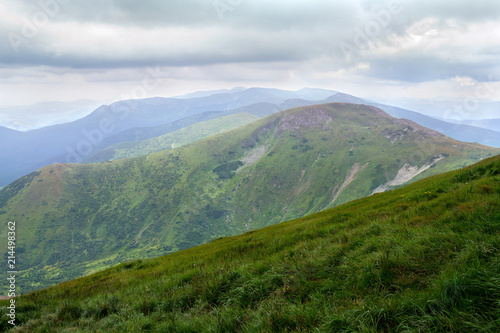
x,y
198,94
7,133
468,131
457,131
461,132
75,141
471,107
423,258
315,94
74,219
126,143
491,124
138,134
173,139
136,120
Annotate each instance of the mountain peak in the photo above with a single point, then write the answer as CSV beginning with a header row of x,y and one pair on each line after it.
x,y
306,117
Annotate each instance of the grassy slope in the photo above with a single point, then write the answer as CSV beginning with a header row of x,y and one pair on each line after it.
x,y
174,139
423,258
76,219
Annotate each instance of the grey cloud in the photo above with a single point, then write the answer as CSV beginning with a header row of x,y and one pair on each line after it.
x,y
148,13
255,31
161,13
232,48
463,10
420,68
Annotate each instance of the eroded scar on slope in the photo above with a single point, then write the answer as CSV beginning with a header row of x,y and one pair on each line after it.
x,y
356,168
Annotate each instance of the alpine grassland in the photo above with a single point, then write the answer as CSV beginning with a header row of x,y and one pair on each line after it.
x,y
421,258
73,220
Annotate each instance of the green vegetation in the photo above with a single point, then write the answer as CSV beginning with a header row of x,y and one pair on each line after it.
x,y
173,139
74,220
423,258
227,170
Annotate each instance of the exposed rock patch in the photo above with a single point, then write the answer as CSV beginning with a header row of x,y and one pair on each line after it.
x,y
312,117
405,174
395,135
253,156
356,168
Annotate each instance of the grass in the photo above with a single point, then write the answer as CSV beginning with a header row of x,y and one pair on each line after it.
x,y
423,258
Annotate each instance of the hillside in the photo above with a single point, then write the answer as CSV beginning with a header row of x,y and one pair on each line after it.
x,y
77,219
173,139
423,258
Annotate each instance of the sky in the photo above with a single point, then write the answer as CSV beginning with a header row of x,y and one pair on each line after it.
x,y
66,50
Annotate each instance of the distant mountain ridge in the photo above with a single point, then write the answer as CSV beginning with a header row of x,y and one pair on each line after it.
x,y
491,124
457,131
459,109
175,139
137,120
73,142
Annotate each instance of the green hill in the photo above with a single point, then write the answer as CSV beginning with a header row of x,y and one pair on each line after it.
x,y
173,139
423,258
74,220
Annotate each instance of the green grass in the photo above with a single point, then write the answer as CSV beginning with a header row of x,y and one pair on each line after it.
x,y
423,258
78,219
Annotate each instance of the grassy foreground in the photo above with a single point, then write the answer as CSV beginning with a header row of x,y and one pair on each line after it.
x,y
423,258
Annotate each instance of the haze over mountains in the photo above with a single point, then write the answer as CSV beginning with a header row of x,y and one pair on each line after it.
x,y
78,218
137,120
491,124
469,108
30,117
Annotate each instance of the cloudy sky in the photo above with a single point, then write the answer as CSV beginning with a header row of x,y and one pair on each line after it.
x,y
65,50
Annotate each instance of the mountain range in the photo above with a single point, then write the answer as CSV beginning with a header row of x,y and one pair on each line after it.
x,y
136,120
454,109
75,219
491,124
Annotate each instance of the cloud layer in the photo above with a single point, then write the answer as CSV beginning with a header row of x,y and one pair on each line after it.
x,y
405,44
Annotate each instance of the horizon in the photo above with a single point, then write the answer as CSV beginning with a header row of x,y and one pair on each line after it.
x,y
30,122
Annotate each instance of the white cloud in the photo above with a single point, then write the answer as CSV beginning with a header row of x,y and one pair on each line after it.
x,y
94,49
